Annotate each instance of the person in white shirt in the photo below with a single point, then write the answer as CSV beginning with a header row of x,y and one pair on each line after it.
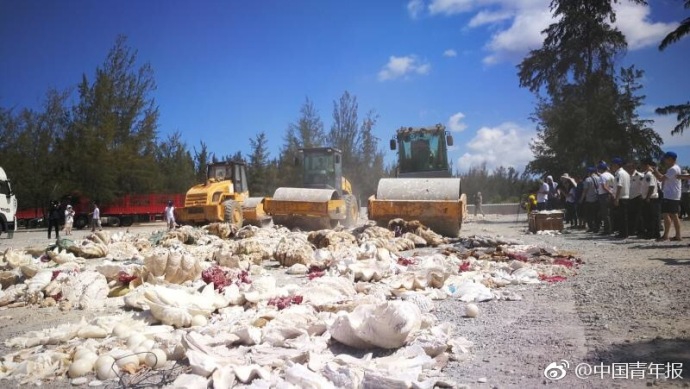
x,y
651,204
605,190
69,219
621,198
637,190
169,215
670,204
96,218
542,195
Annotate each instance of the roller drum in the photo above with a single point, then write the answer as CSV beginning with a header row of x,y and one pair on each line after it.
x,y
418,189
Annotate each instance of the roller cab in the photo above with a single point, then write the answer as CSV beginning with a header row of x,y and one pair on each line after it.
x,y
325,198
424,189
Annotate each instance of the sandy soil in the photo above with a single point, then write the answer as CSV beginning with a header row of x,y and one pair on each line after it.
x,y
630,302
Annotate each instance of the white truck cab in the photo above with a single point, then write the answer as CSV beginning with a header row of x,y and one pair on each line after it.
x,y
8,206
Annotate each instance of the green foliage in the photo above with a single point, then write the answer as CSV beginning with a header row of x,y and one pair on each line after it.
x,y
258,168
106,144
201,159
682,111
176,164
306,132
586,112
362,157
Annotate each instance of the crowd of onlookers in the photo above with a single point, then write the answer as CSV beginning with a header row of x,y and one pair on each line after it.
x,y
626,198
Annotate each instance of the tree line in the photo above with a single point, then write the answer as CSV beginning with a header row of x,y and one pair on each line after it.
x,y
587,106
107,142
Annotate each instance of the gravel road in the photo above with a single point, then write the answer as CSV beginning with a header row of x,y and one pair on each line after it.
x,y
629,303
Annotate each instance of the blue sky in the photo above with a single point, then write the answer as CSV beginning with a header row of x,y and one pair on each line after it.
x,y
227,70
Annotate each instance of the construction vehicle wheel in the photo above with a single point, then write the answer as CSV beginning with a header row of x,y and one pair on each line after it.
x,y
351,211
114,221
233,213
127,221
81,222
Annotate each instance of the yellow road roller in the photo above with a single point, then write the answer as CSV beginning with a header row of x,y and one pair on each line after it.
x,y
325,198
224,197
424,188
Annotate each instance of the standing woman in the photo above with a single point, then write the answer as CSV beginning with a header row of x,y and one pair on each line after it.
x,y
69,219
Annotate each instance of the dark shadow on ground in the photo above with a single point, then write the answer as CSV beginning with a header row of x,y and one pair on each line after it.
x,y
672,261
657,351
657,246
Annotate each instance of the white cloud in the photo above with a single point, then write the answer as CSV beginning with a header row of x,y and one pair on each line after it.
x,y
521,37
451,7
489,17
415,7
504,145
517,24
402,67
455,122
664,124
633,21
450,53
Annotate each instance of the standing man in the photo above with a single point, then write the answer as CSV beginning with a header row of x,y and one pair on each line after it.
x,y
651,207
607,183
54,218
637,190
670,204
96,218
553,197
589,200
621,198
542,195
169,215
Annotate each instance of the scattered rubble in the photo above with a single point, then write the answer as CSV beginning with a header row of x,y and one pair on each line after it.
x,y
263,307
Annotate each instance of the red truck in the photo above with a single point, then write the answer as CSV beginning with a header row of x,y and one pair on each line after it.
x,y
123,211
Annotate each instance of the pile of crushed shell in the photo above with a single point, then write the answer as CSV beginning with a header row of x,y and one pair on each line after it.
x,y
260,308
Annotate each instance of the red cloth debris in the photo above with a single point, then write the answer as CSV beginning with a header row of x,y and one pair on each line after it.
x,y
220,278
284,302
544,277
125,277
406,261
563,261
465,266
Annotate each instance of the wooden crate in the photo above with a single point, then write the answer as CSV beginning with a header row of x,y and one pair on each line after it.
x,y
552,221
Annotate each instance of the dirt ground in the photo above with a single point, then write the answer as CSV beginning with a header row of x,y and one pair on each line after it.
x,y
628,304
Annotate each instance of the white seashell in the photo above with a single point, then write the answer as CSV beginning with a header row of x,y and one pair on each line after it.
x,y
386,325
127,358
79,381
471,310
148,344
106,368
246,374
91,331
140,352
135,340
122,330
302,377
80,368
199,320
224,378
39,281
156,358
297,269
